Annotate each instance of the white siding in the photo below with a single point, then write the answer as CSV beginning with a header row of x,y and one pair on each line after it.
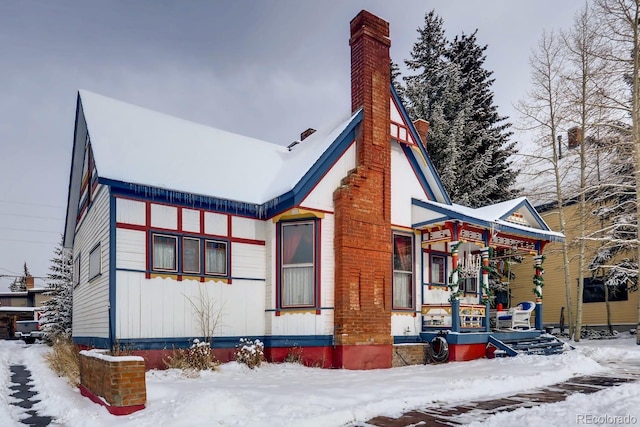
x,y
91,299
247,228
405,324
215,223
165,308
321,197
130,212
247,261
163,216
404,186
131,249
190,220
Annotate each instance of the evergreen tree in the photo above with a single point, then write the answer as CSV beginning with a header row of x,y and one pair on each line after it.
x,y
56,320
468,140
19,284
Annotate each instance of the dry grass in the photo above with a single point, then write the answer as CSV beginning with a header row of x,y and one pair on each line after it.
x,y
192,360
64,360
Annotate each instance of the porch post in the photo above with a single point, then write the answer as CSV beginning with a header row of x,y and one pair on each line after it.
x,y
484,287
455,302
538,282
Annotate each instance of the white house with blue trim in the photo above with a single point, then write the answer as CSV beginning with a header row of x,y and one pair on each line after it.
x,y
166,216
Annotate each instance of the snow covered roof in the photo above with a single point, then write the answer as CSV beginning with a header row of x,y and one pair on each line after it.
x,y
135,145
498,216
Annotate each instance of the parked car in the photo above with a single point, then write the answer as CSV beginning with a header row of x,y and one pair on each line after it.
x,y
28,331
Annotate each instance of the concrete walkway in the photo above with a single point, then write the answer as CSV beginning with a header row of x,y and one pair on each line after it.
x,y
468,412
21,377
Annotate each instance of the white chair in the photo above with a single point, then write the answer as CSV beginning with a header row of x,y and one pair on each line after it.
x,y
516,318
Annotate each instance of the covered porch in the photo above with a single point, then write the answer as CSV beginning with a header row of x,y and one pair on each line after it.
x,y
466,255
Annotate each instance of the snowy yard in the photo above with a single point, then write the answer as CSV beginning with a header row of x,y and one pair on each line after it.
x,y
293,395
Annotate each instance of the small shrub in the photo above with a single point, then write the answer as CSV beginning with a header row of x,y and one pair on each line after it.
x,y
294,355
250,353
196,358
64,359
119,349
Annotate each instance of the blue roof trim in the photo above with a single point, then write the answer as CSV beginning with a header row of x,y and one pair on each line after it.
x,y
179,198
416,169
420,145
484,223
318,170
429,222
527,205
65,243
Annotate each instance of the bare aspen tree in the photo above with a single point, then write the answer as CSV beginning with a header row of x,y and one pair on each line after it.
x,y
620,24
544,114
586,77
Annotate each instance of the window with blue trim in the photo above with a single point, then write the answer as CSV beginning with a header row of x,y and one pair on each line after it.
x,y
189,255
298,263
438,267
402,271
95,262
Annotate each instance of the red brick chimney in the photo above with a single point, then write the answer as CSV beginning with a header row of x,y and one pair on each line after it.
x,y
30,282
422,127
575,137
362,243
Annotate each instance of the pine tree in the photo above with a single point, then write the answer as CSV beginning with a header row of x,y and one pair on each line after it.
x,y
19,284
468,140
57,317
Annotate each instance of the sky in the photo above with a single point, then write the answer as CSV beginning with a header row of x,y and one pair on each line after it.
x,y
265,69
289,394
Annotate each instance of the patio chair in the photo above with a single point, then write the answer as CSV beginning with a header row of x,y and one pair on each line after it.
x,y
516,318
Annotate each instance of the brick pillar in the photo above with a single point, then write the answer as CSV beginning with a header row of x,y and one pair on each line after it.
x,y
363,248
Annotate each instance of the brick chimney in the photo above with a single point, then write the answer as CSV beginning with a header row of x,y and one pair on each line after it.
x,y
422,127
362,206
30,282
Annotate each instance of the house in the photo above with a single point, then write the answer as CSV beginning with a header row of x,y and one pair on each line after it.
x,y
339,247
25,305
540,188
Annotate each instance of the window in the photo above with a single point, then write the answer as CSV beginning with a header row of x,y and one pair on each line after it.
x,y
164,252
76,270
594,291
297,258
470,285
438,270
402,271
190,255
95,262
215,258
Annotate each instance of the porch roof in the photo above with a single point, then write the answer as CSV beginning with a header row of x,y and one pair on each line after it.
x,y
497,217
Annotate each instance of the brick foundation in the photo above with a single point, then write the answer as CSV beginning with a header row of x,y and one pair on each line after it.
x,y
409,354
117,382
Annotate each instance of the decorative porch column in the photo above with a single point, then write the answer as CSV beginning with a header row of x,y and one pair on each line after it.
x,y
455,287
484,287
538,283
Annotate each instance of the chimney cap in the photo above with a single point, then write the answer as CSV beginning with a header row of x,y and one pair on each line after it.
x,y
304,135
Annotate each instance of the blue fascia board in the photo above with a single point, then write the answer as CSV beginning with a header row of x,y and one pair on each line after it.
x,y
93,342
421,147
311,178
487,224
418,225
178,198
416,169
227,342
525,203
72,217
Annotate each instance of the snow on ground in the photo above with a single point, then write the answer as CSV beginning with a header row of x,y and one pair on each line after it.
x,y
293,395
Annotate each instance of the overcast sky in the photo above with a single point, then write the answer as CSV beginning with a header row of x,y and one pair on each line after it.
x,y
266,69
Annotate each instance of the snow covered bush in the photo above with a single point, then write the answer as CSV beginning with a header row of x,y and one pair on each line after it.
x,y
250,353
196,358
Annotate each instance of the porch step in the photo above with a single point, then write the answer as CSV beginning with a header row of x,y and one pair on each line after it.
x,y
543,345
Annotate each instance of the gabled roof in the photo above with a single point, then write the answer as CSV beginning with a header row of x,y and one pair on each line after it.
x,y
514,216
135,145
